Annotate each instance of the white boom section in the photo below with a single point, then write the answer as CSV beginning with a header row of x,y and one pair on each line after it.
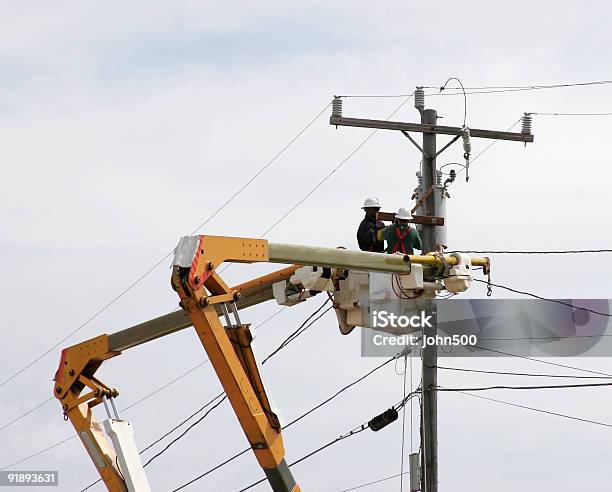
x,y
121,434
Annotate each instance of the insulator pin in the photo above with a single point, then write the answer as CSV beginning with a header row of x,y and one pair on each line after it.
x,y
419,98
467,144
337,107
527,119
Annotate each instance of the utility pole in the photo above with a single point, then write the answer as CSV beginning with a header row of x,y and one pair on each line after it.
x,y
430,221
429,356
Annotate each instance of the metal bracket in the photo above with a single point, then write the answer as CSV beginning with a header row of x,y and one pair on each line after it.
x,y
447,145
407,135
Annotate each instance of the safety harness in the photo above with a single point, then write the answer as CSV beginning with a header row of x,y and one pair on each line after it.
x,y
400,240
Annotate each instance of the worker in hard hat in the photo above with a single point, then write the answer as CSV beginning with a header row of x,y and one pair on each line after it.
x,y
370,225
400,237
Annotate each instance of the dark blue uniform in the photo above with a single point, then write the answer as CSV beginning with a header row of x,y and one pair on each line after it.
x,y
366,235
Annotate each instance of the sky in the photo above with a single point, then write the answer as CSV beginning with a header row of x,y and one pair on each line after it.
x,y
124,126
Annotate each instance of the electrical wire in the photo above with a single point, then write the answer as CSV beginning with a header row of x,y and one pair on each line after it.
x,y
17,419
404,421
147,272
180,436
539,387
486,89
464,96
374,482
530,374
540,361
556,337
534,252
163,387
535,296
184,421
38,453
340,391
572,114
539,410
303,327
354,432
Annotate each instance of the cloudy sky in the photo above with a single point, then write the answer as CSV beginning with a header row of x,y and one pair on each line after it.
x,y
123,127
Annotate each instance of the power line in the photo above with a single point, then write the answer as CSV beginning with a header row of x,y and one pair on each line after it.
x,y
539,410
556,301
374,482
258,173
533,252
540,361
169,383
572,114
340,391
555,337
292,336
401,474
184,421
147,272
503,387
530,374
354,432
180,436
16,419
491,89
48,448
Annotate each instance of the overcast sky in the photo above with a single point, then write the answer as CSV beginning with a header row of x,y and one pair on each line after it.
x,y
123,127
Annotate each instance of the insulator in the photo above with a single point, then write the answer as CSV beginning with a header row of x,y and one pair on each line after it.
x,y
419,178
438,177
527,118
467,145
337,107
419,98
383,420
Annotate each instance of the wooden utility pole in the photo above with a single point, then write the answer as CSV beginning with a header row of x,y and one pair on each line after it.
x,y
429,128
429,356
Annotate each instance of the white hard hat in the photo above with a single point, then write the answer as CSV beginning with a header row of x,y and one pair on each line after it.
x,y
403,213
371,202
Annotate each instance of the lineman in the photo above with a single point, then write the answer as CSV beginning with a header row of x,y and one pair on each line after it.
x,y
400,237
370,225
